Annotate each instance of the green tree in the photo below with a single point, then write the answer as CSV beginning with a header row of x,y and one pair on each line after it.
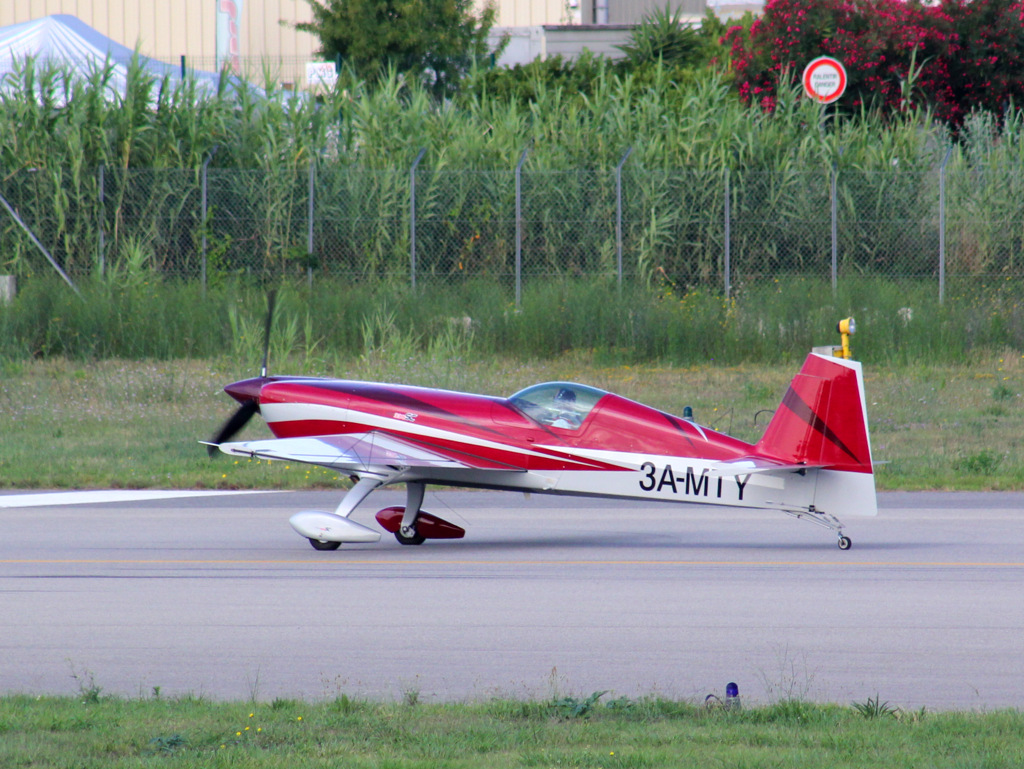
x,y
436,40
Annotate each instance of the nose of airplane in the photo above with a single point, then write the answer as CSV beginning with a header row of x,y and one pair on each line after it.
x,y
247,390
247,393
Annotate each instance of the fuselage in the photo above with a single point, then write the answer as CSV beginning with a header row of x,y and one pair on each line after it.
x,y
617,448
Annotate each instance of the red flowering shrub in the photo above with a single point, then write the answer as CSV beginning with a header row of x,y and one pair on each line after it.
x,y
897,55
988,67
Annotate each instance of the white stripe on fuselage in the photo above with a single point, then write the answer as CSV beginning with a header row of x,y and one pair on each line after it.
x,y
298,412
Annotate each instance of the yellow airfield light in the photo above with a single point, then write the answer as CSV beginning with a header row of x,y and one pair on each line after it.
x,y
847,327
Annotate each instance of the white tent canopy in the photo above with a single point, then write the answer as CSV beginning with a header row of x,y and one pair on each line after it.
x,y
62,40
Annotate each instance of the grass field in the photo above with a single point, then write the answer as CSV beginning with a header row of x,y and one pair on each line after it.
x,y
94,731
136,424
81,422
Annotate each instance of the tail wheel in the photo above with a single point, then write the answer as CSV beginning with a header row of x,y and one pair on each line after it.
x,y
407,535
845,543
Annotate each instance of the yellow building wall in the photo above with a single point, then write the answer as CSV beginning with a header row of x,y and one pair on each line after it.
x,y
533,13
168,30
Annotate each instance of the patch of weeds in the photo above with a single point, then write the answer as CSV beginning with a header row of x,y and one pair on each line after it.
x,y
344,704
875,708
11,368
911,716
571,707
254,686
621,704
247,735
66,724
518,709
411,697
167,745
281,703
760,392
1002,393
793,678
88,689
985,462
789,711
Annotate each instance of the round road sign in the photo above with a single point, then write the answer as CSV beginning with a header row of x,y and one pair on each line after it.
x,y
824,79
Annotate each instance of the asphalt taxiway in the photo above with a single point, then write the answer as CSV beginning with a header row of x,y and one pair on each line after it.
x,y
215,595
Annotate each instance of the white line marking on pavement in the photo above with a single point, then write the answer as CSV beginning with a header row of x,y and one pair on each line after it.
x,y
56,498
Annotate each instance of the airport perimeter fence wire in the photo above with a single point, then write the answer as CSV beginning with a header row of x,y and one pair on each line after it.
x,y
682,228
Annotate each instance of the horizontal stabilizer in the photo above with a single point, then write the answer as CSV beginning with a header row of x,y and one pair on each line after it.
x,y
740,467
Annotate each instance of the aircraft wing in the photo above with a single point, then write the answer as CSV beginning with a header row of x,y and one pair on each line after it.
x,y
360,452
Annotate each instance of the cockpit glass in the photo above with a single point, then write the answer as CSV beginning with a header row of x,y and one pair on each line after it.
x,y
557,404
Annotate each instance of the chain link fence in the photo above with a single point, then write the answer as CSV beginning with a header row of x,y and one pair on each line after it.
x,y
709,228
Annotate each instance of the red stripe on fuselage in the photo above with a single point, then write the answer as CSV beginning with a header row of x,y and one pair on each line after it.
x,y
466,420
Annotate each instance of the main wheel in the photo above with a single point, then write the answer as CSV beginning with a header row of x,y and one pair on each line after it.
x,y
318,545
845,543
409,539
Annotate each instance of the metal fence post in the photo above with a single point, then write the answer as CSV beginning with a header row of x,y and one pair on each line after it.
x,y
618,211
309,216
102,243
412,215
835,227
519,227
942,226
203,204
727,259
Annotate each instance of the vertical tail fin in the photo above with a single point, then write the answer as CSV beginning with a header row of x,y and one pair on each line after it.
x,y
822,420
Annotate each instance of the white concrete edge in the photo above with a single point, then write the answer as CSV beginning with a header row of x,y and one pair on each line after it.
x,y
105,496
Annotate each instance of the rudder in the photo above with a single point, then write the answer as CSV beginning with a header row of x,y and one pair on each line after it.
x,y
822,420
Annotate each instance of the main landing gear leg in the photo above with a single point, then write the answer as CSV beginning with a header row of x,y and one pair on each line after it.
x,y
827,520
407,534
357,494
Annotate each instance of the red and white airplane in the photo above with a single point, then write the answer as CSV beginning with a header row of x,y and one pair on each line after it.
x,y
813,461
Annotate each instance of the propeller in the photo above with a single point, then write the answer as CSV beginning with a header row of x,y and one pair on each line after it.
x,y
235,422
247,393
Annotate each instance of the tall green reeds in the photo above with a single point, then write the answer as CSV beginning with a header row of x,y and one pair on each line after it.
x,y
106,167
772,320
